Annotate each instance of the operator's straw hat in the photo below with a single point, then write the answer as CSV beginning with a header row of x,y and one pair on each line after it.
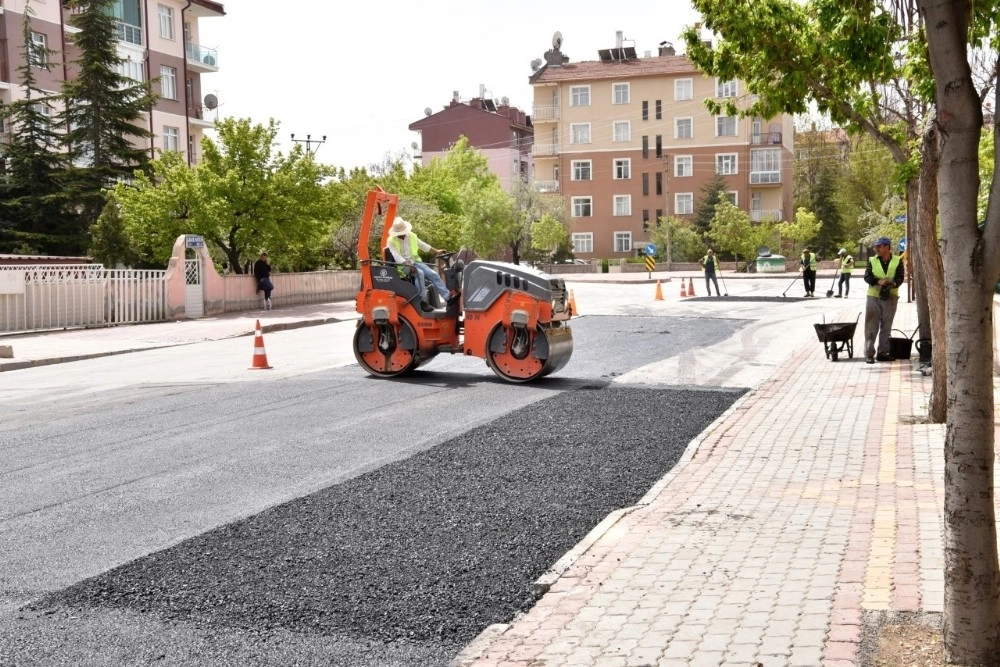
x,y
400,227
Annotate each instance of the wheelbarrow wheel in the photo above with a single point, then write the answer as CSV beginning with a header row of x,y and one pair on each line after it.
x,y
833,355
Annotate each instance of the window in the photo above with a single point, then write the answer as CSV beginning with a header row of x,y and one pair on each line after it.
x,y
755,201
171,138
38,55
645,219
683,128
579,96
620,93
659,214
623,205
645,110
725,126
659,145
132,69
42,108
579,133
726,164
765,166
581,170
683,166
659,110
683,203
645,147
725,88
166,15
645,185
582,207
659,183
732,196
623,131
683,89
583,242
623,241
622,169
168,82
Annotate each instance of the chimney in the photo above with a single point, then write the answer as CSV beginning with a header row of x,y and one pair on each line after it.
x,y
454,96
667,49
619,37
482,91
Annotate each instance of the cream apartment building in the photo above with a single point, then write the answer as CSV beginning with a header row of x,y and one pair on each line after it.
x,y
158,39
627,139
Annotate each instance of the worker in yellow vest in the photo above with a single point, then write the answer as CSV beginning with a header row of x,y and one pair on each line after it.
x,y
808,267
405,248
884,274
846,267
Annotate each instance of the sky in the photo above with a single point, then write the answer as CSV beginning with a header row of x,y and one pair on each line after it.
x,y
361,76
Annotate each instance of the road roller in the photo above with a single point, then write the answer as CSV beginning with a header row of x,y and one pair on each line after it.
x,y
514,317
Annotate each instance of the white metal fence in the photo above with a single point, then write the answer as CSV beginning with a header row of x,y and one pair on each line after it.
x,y
79,295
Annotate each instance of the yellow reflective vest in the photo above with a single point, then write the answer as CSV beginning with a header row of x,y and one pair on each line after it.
x,y
877,271
847,264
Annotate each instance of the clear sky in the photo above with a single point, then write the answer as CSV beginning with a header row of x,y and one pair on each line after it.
x,y
360,73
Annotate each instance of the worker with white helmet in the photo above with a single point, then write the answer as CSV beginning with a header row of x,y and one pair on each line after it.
x,y
846,266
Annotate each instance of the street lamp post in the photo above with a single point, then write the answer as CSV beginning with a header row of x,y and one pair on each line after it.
x,y
309,141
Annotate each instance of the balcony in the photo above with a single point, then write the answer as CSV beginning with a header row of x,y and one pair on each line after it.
x,y
128,33
201,59
765,178
545,150
766,138
760,215
200,116
547,186
545,114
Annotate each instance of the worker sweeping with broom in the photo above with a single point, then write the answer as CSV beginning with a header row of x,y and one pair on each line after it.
x,y
711,265
846,267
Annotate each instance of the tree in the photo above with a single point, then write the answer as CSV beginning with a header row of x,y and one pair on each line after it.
x,y
30,192
243,197
105,112
676,240
799,232
734,232
818,170
868,174
862,63
548,234
971,258
489,217
712,193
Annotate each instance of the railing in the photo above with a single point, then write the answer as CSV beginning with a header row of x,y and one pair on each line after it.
x,y
761,215
79,295
545,149
765,138
200,54
129,33
549,112
547,186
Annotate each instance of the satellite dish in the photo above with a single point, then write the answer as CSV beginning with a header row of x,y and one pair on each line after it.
x,y
211,101
505,101
557,40
427,111
535,64
413,145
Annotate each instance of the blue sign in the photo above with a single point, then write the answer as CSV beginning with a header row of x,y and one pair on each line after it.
x,y
192,241
650,249
900,218
902,244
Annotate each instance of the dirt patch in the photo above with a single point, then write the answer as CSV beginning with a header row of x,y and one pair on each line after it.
x,y
901,640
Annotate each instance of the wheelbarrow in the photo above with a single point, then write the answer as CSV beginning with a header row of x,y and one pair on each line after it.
x,y
837,337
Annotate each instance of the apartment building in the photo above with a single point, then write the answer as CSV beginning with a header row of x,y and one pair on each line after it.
x,y
628,139
502,133
158,39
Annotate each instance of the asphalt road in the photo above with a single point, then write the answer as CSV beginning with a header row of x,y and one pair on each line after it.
x,y
327,517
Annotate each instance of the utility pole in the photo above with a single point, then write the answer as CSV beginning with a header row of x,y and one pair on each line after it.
x,y
309,141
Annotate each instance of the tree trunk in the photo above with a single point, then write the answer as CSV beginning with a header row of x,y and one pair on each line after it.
x,y
972,573
930,269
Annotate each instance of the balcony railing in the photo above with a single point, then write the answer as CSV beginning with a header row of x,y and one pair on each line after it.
x,y
765,178
544,149
129,33
763,214
205,56
545,113
773,138
547,186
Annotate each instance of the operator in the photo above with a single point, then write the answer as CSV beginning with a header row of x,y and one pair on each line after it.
x,y
405,247
846,267
884,275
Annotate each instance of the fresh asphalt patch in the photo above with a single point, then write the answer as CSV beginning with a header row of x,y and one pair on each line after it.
x,y
401,565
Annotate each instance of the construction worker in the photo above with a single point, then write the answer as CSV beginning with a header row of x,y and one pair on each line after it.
x,y
405,248
711,265
808,269
846,266
884,274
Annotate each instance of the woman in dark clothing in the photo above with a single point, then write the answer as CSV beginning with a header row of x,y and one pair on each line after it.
x,y
262,272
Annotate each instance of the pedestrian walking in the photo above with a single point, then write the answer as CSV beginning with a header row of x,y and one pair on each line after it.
x,y
846,266
262,273
711,265
884,274
808,268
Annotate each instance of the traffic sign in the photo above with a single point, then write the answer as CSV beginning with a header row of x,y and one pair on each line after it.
x,y
902,244
650,262
192,241
900,218
650,249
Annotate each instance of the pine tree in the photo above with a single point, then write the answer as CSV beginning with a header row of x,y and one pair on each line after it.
x,y
106,139
31,198
711,194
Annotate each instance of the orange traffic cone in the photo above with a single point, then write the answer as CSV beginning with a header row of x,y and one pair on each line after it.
x,y
259,355
659,292
684,291
572,304
691,287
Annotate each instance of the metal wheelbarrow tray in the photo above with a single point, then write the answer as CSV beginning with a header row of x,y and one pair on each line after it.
x,y
837,337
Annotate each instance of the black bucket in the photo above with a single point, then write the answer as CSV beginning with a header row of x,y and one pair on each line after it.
x,y
924,348
901,348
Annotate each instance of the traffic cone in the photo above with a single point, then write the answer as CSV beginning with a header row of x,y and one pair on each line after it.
x,y
572,304
691,287
659,292
259,355
684,291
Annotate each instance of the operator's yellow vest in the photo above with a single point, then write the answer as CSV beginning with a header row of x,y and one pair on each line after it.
x,y
414,246
877,271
